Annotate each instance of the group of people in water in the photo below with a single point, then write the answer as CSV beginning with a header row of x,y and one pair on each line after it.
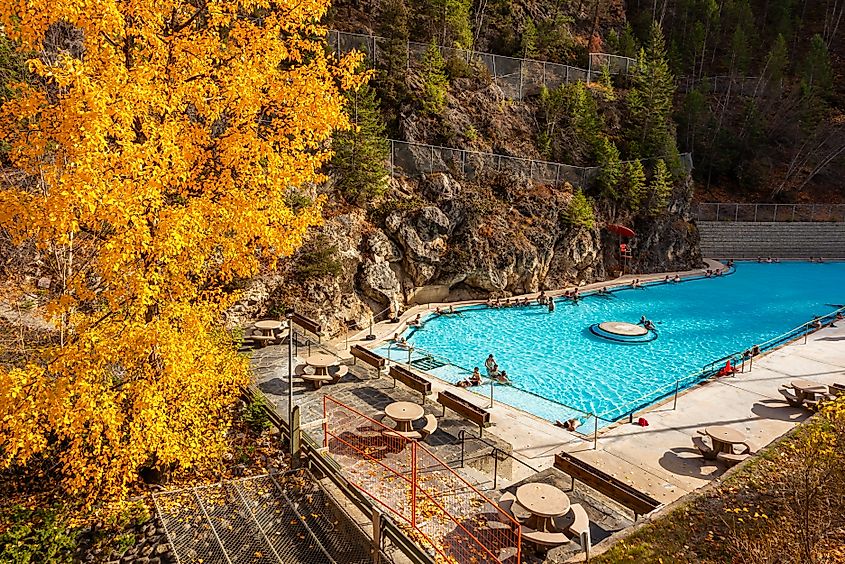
x,y
541,299
493,372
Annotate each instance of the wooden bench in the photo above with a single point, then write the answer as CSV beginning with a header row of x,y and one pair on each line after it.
x,y
368,356
416,383
606,484
465,409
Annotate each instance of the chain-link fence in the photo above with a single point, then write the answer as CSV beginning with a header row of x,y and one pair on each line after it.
x,y
718,211
415,159
270,519
615,64
517,78
444,511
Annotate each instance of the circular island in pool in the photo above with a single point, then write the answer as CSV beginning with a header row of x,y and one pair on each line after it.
x,y
623,332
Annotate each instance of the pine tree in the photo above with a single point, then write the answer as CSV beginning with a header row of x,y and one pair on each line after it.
x,y
628,46
816,82
660,189
360,155
449,22
740,51
634,185
435,82
394,52
610,169
579,212
776,62
650,99
528,43
586,123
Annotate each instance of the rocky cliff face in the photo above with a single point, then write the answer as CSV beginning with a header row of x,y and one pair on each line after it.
x,y
458,240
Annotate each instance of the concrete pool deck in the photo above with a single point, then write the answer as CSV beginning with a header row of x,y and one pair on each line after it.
x,y
660,459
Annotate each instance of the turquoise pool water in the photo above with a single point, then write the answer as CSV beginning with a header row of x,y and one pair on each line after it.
x,y
555,357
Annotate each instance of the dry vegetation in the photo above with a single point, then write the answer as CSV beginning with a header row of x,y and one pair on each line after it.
x,y
787,505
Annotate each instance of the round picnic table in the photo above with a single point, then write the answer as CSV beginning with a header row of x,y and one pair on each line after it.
x,y
724,438
808,387
321,362
404,413
545,502
267,326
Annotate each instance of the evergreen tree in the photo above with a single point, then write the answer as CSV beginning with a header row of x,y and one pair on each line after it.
x,y
610,169
816,71
628,46
579,212
449,22
660,189
634,184
650,99
394,52
586,123
776,62
361,152
740,52
529,39
435,82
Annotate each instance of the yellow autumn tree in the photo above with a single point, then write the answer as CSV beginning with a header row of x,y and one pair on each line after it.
x,y
161,143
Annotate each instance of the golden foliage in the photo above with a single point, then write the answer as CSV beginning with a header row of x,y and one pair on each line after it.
x,y
164,151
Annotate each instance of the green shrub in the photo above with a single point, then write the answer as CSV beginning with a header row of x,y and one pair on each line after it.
x,y
255,417
579,212
317,258
35,536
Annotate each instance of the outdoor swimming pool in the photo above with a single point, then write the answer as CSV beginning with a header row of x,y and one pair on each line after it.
x,y
555,357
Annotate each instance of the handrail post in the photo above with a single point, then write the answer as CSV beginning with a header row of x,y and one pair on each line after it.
x,y
495,468
491,394
462,436
675,405
595,432
410,352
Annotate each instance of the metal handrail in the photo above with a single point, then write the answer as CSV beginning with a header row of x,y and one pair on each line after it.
x,y
708,371
730,212
494,453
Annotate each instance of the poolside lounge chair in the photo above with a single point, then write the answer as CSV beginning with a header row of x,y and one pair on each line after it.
x,y
791,398
706,450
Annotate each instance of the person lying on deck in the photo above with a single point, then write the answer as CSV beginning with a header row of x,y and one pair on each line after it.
x,y
569,425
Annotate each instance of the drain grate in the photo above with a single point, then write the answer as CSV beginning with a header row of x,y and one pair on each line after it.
x,y
427,363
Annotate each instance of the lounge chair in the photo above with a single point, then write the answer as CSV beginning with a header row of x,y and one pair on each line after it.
x,y
791,398
706,450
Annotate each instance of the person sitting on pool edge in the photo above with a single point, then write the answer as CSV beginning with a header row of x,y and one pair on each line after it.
x,y
551,304
569,424
502,377
473,380
416,322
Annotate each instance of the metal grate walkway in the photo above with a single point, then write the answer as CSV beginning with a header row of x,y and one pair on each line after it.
x,y
271,519
427,363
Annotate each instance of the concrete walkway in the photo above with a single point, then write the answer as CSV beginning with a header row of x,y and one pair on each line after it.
x,y
660,459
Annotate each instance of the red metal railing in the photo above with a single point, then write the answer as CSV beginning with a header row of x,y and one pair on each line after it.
x,y
448,513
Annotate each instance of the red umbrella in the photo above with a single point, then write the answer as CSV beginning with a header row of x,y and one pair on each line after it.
x,y
621,230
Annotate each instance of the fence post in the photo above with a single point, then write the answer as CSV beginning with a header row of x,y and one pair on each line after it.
x,y
736,213
521,70
813,213
495,468
717,212
295,438
544,73
392,160
413,485
376,519
775,217
755,212
589,67
793,212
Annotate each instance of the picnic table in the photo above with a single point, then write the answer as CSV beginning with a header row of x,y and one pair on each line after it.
x,y
545,502
321,363
808,389
267,326
404,413
724,438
